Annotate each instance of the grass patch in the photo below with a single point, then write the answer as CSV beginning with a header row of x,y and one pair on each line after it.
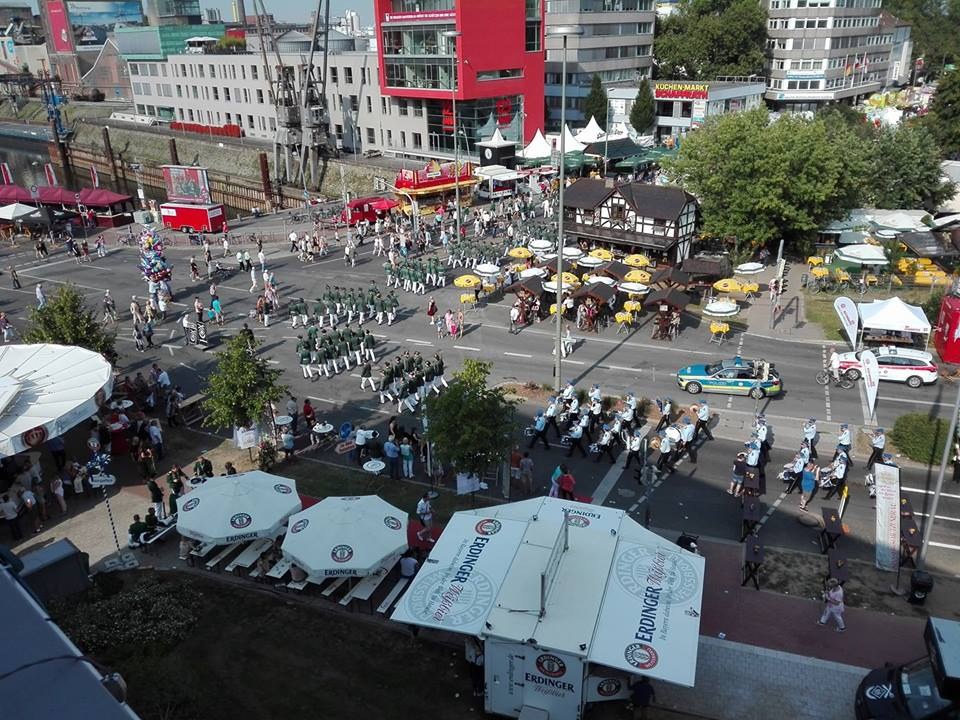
x,y
818,309
920,437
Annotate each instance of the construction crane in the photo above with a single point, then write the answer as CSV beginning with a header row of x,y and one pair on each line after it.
x,y
286,141
315,121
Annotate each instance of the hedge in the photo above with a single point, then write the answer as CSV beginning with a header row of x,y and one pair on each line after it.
x,y
920,437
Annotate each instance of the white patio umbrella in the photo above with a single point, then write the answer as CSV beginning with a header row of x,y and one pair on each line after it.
x,y
17,211
540,245
486,269
588,261
348,536
229,508
47,389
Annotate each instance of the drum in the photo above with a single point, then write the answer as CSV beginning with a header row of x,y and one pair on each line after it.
x,y
673,433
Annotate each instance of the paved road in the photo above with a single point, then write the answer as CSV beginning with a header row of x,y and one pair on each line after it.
x,y
691,499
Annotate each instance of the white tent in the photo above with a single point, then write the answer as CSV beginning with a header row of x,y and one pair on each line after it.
x,y
570,143
47,389
591,133
566,597
345,536
862,253
893,315
231,508
16,211
538,148
496,140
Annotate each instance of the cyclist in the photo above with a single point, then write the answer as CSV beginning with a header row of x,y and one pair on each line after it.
x,y
834,365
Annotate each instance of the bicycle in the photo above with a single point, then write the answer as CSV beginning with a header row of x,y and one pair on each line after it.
x,y
843,381
824,284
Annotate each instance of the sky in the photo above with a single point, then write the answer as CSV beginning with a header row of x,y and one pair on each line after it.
x,y
290,10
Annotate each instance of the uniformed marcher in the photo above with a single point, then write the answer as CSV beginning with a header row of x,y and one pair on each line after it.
x,y
606,445
810,435
703,420
634,443
366,376
666,450
551,414
665,406
576,440
686,439
540,431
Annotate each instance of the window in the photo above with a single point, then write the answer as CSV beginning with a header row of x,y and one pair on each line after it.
x,y
226,94
180,91
250,122
193,89
254,73
354,103
190,115
333,75
418,108
260,96
417,140
246,95
402,106
533,33
134,69
369,104
371,137
389,138
403,138
383,106
338,131
348,75
243,72
233,72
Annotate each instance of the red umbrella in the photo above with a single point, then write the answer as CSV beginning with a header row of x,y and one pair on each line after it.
x,y
384,204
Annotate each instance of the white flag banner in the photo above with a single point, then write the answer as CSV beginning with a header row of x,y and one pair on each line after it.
x,y
887,486
871,377
847,312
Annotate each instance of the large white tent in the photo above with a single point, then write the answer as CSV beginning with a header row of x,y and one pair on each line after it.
x,y
231,508
893,315
570,143
591,133
349,536
567,598
17,211
537,149
47,389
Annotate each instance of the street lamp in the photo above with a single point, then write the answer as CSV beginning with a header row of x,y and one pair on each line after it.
x,y
561,31
453,35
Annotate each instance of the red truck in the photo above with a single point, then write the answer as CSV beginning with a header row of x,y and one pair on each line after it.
x,y
193,218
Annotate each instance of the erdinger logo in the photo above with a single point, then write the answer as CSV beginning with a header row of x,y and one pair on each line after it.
x,y
608,687
577,521
341,553
641,656
391,522
282,489
488,527
240,521
551,666
191,504
299,526
36,436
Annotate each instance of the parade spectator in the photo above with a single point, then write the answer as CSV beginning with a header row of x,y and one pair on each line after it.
x,y
642,695
567,482
392,452
425,516
136,531
833,605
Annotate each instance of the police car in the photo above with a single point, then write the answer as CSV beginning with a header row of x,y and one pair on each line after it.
x,y
913,367
736,376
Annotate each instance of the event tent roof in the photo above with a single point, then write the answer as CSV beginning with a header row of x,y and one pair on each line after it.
x,y
538,149
591,133
100,197
616,593
497,140
16,211
672,297
893,314
47,389
865,254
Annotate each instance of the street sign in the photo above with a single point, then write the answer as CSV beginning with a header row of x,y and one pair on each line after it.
x,y
102,480
76,196
34,192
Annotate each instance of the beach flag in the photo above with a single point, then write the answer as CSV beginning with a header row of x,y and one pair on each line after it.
x,y
94,177
5,174
50,174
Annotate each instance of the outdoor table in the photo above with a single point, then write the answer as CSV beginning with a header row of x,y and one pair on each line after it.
x,y
752,560
121,405
751,486
374,467
909,542
832,529
838,567
282,420
751,516
324,429
197,480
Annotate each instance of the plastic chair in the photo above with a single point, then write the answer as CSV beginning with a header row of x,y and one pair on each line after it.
x,y
345,430
718,332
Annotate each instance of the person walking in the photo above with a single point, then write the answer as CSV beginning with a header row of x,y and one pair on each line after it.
x,y
540,431
406,457
425,516
878,441
808,483
391,451
526,474
634,443
566,483
703,421
642,695
431,311
41,298
156,498
833,605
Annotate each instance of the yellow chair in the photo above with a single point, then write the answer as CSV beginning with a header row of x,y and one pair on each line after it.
x,y
553,308
841,275
897,281
750,289
820,272
814,260
718,332
624,320
870,279
923,262
467,299
489,288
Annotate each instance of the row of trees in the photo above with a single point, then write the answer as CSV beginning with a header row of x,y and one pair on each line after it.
x,y
759,181
596,103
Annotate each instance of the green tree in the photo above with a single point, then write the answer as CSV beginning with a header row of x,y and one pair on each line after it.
x,y
944,116
759,181
641,112
595,104
933,29
66,320
703,39
471,424
905,170
239,392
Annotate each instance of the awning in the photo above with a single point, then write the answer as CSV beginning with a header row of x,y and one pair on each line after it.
x,y
17,211
601,292
384,204
672,297
893,314
928,244
101,197
669,276
530,285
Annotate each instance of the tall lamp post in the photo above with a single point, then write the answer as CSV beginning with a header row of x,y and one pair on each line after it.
x,y
452,35
563,32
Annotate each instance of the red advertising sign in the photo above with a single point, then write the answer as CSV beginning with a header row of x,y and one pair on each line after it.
x,y
62,33
420,16
446,117
186,184
504,111
681,90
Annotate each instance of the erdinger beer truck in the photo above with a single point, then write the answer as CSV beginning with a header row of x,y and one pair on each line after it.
x,y
569,600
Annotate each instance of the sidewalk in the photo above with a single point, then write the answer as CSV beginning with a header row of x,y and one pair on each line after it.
x,y
791,323
788,624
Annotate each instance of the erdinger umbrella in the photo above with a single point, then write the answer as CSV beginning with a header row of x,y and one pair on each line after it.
x,y
47,389
345,536
229,508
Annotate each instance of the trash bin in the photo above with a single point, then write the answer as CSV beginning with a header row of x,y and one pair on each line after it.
x,y
921,584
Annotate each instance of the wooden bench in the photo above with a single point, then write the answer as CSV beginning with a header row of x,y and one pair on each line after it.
x,y
297,584
365,589
191,410
280,569
392,596
222,555
157,537
203,550
250,555
329,589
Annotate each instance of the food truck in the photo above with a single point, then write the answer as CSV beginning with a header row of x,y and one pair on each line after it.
x,y
188,217
926,689
570,601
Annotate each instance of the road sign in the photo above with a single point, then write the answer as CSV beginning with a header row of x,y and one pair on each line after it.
x,y
34,192
102,480
76,196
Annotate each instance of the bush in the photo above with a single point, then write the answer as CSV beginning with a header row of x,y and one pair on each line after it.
x,y
920,437
150,615
931,306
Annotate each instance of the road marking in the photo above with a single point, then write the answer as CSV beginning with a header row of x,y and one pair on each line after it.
x,y
376,410
944,545
938,517
574,362
466,347
619,367
915,402
273,362
188,367
609,481
326,400
520,355
929,492
417,342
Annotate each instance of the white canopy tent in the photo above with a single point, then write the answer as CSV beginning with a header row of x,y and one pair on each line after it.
x,y
864,254
496,140
345,536
17,212
537,149
47,389
570,143
231,508
567,598
893,315
591,133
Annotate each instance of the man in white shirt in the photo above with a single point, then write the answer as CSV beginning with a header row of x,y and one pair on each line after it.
x,y
8,509
425,515
878,441
514,319
834,364
703,420
810,435
576,439
156,438
551,414
634,442
606,445
666,450
686,439
843,440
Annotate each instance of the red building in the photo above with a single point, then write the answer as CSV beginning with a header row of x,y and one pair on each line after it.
x,y
498,64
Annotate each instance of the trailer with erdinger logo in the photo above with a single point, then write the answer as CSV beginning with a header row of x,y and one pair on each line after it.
x,y
570,602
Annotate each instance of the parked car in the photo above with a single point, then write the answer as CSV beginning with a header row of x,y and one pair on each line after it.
x,y
735,376
905,365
